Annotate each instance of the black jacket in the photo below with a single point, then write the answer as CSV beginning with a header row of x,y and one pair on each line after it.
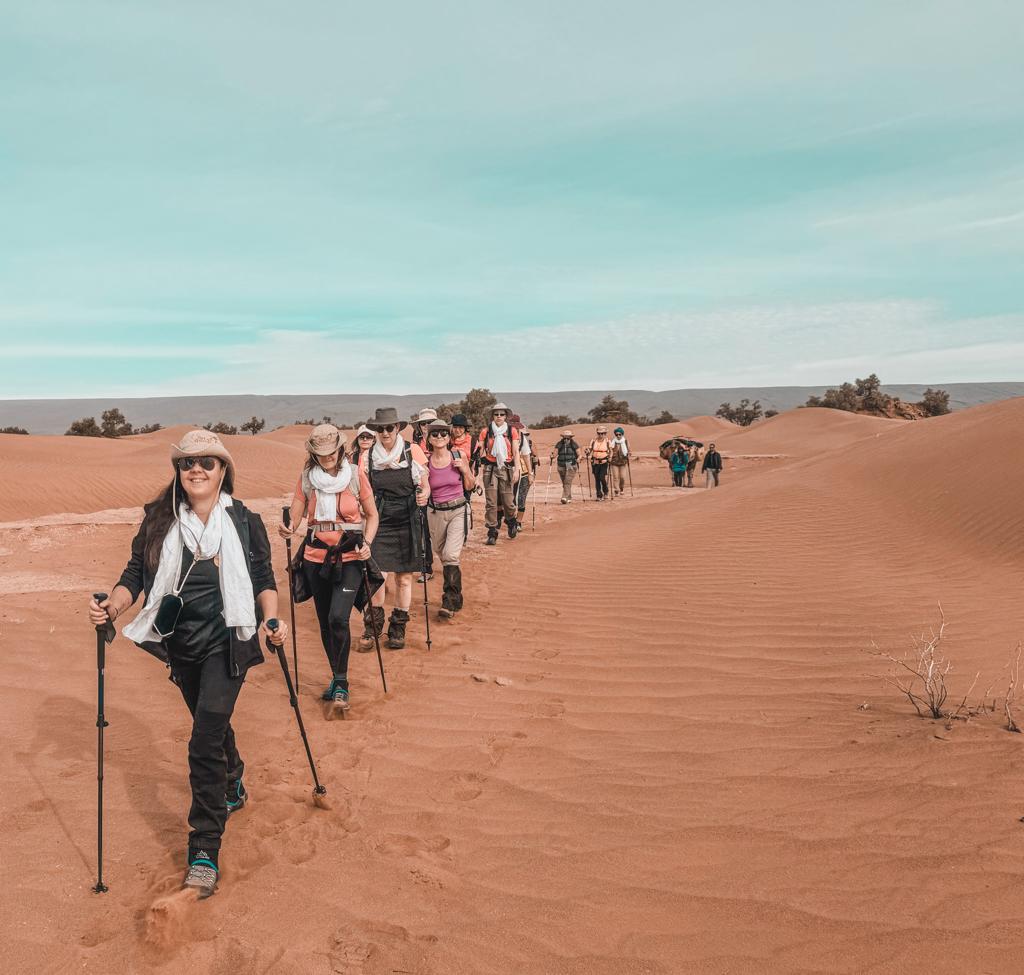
x,y
712,461
137,577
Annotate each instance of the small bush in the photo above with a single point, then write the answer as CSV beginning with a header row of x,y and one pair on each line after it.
x,y
220,427
935,402
14,430
86,427
551,421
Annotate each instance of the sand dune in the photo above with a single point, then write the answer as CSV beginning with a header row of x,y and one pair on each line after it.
x,y
691,766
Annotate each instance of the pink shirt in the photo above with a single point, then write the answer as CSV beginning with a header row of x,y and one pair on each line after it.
x,y
445,482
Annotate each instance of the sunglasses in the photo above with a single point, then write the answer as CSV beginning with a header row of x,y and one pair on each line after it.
x,y
390,428
500,413
206,463
366,436
439,433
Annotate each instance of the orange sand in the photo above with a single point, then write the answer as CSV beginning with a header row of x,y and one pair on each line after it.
x,y
691,768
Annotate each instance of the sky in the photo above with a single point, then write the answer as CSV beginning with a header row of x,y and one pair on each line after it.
x,y
324,196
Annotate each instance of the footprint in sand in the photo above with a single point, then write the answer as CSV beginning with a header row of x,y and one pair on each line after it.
x,y
401,844
363,947
551,709
545,654
464,787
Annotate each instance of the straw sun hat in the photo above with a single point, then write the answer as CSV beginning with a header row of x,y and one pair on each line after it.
x,y
324,439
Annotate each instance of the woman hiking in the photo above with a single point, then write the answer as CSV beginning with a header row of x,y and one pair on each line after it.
x,y
448,510
398,476
463,442
202,561
619,460
528,465
335,496
365,438
568,453
498,452
423,420
678,461
599,452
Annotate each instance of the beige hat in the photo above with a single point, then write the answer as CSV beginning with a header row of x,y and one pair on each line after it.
x,y
602,429
427,415
325,438
202,443
499,406
567,433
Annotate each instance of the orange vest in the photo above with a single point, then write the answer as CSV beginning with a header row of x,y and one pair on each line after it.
x,y
599,450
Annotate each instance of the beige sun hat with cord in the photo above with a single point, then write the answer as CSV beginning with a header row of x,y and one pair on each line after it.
x,y
202,443
324,439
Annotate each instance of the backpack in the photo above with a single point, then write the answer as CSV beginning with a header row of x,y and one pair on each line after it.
x,y
353,485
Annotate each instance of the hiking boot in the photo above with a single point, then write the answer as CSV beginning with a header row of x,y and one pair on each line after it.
x,y
235,797
396,629
366,641
492,536
565,500
339,700
201,875
452,587
513,527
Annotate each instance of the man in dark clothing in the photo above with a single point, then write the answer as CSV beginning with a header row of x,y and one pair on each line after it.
x,y
712,466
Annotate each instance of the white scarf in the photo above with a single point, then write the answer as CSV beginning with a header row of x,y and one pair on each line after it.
x,y
500,443
219,535
394,460
389,459
328,487
620,442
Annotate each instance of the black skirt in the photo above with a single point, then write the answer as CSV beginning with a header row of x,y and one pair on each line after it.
x,y
398,544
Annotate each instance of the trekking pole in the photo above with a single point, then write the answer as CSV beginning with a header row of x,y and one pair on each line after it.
x,y
547,487
590,490
286,517
426,607
629,470
579,478
373,626
104,635
318,790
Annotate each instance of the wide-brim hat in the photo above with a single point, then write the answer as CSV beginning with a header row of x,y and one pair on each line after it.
x,y
498,406
459,420
427,415
567,433
602,429
438,425
324,439
202,443
385,417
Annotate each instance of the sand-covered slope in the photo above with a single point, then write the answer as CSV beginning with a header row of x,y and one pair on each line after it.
x,y
690,765
805,432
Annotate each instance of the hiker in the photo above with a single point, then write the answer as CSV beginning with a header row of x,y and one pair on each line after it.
x,y
618,458
364,439
712,466
397,474
598,453
448,510
568,453
498,451
462,441
528,464
202,561
695,456
334,495
678,461
419,437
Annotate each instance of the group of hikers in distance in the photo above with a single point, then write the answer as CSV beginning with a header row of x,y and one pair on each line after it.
x,y
384,506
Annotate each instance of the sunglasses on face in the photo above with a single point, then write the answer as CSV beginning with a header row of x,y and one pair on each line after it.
x,y
206,463
366,436
501,413
390,428
439,433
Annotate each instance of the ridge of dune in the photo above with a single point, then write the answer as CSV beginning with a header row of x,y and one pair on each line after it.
x,y
805,431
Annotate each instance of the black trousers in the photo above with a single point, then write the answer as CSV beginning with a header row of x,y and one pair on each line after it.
x,y
213,761
522,492
677,478
600,479
334,599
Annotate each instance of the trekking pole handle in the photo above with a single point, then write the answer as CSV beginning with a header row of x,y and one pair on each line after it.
x,y
107,629
286,516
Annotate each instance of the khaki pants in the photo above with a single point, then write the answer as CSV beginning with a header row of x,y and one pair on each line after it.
x,y
619,478
499,494
711,478
448,533
568,475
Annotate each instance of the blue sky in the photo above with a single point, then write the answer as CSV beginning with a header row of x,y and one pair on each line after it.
x,y
320,196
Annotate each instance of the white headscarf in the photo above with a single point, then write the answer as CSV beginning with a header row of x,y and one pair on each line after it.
x,y
217,537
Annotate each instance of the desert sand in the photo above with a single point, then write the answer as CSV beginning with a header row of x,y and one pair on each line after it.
x,y
690,765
